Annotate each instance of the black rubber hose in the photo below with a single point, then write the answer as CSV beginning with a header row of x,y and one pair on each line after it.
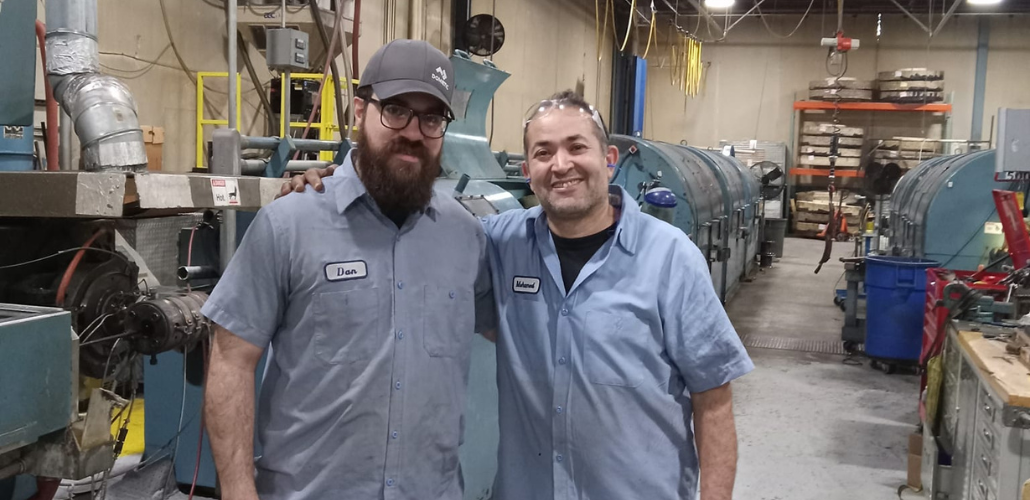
x,y
341,117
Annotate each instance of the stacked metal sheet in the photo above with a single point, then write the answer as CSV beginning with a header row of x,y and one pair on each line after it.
x,y
906,152
912,85
815,145
841,89
812,213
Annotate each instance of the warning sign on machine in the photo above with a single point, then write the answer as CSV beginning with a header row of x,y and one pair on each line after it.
x,y
225,192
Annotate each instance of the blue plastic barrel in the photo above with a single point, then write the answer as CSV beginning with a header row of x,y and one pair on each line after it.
x,y
895,298
15,148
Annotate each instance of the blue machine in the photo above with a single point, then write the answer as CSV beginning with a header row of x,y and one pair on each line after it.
x,y
16,148
18,81
36,340
717,201
941,211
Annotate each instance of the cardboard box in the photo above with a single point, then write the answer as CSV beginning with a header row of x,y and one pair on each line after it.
x,y
915,460
154,138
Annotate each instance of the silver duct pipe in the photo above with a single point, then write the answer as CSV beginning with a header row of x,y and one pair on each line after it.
x,y
100,106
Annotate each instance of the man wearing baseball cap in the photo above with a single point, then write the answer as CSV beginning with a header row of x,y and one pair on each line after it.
x,y
364,391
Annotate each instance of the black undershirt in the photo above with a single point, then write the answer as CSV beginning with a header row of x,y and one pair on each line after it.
x,y
574,253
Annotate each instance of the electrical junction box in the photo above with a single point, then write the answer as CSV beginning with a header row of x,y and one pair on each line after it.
x,y
287,49
1012,162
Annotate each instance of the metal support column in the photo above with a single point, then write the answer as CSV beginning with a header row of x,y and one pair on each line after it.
x,y
980,82
227,234
287,89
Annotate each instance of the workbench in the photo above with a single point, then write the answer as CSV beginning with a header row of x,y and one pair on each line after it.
x,y
985,420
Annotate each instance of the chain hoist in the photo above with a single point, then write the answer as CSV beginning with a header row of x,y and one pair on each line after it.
x,y
839,46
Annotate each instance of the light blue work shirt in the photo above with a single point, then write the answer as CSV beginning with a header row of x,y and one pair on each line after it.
x,y
371,329
595,384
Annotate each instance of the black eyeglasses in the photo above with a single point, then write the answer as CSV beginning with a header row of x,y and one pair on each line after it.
x,y
396,117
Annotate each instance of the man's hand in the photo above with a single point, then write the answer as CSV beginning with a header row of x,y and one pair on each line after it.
x,y
716,437
312,176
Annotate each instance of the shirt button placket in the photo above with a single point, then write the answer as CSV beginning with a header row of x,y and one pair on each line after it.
x,y
561,392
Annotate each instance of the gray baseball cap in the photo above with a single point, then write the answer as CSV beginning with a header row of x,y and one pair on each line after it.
x,y
405,66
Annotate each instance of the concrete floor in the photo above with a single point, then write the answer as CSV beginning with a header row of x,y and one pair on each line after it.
x,y
810,426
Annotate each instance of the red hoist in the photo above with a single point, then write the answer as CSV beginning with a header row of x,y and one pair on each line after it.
x,y
839,46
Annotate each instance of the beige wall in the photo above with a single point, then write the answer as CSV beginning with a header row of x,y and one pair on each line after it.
x,y
753,77
132,36
549,46
131,33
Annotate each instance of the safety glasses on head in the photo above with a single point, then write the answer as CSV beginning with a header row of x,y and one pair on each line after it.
x,y
547,106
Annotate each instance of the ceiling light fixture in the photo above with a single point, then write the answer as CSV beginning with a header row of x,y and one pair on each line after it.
x,y
719,4
984,2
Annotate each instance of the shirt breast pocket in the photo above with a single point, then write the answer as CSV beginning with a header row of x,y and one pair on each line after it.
x,y
448,321
614,349
347,326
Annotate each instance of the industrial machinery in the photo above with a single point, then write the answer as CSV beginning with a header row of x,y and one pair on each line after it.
x,y
718,201
942,210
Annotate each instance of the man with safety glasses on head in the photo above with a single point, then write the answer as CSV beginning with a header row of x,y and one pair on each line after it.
x,y
614,354
368,297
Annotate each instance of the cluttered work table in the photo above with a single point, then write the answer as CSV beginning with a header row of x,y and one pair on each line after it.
x,y
1006,373
983,451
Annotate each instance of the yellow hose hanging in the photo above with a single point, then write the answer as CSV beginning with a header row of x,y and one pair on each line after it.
x,y
674,62
629,25
615,34
687,55
693,67
604,26
651,32
700,70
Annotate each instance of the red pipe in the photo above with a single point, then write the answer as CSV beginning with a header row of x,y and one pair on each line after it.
x,y
66,280
354,38
52,136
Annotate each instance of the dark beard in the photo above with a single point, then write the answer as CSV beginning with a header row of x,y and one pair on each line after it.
x,y
396,190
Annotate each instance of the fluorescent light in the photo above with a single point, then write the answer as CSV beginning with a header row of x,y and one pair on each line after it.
x,y
721,4
984,2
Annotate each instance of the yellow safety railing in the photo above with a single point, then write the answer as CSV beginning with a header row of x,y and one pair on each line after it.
x,y
201,121
326,126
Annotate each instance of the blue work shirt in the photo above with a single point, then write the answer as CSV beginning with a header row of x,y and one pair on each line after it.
x,y
371,329
595,384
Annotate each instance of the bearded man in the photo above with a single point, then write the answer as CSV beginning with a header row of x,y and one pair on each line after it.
x,y
368,297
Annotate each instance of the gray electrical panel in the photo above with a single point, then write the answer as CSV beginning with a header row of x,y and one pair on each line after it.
x,y
1013,160
287,49
18,52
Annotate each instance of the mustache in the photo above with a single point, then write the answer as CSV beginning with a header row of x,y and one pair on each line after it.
x,y
401,145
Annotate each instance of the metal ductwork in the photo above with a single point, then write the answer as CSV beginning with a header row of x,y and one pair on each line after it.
x,y
101,107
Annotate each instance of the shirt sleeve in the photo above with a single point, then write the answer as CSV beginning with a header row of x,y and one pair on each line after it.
x,y
699,338
250,298
486,308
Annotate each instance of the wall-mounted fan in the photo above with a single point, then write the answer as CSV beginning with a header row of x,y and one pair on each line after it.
x,y
483,35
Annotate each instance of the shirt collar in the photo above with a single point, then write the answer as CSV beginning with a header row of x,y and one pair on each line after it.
x,y
625,229
350,189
